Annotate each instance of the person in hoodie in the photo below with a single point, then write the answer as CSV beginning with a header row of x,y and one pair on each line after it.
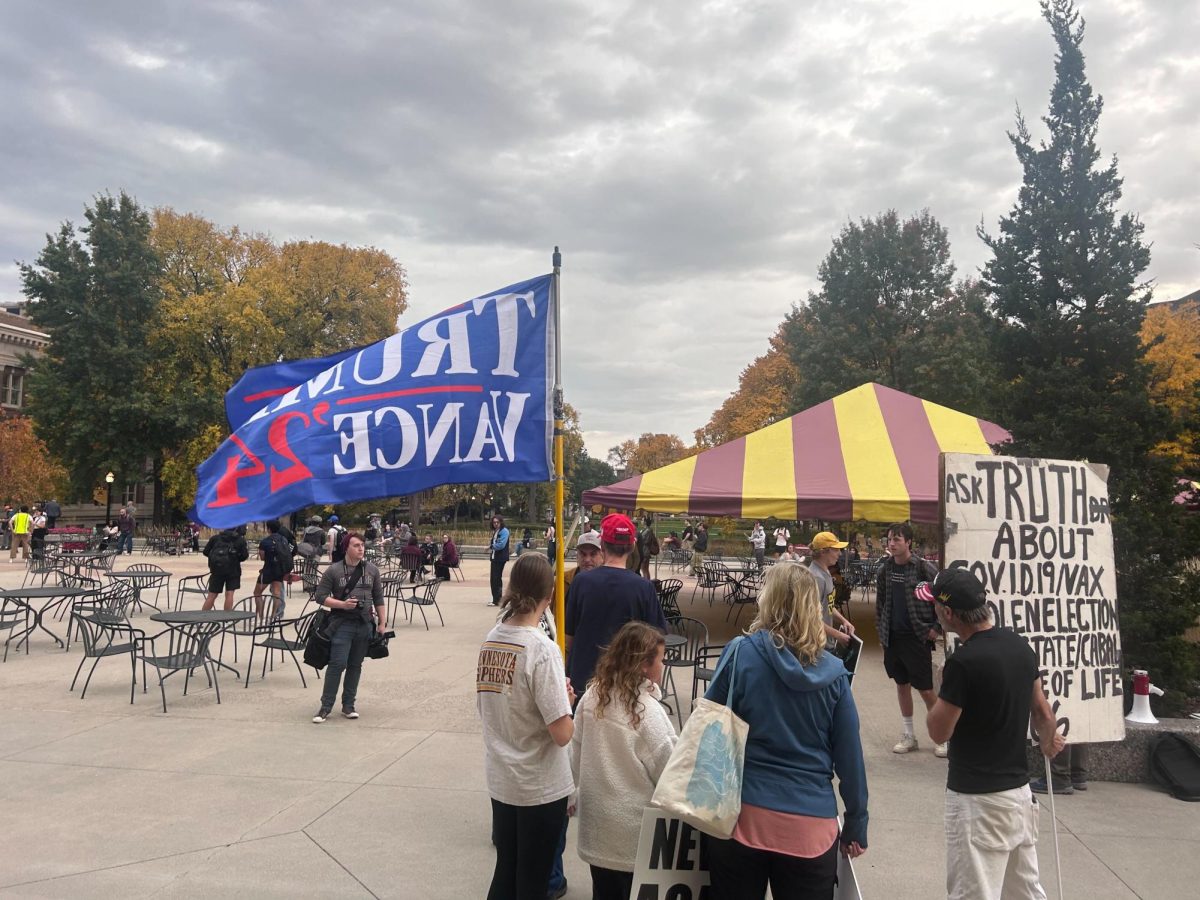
x,y
803,730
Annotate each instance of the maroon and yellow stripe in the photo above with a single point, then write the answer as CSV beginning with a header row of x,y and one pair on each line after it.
x,y
870,453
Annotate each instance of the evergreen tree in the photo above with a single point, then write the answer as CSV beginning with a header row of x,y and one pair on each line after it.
x,y
90,396
1065,283
888,311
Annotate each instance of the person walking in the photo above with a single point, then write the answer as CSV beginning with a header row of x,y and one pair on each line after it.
x,y
499,557
699,548
804,725
225,551
21,526
524,701
623,739
991,692
349,589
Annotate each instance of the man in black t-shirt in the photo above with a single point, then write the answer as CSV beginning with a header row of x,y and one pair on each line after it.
x,y
991,689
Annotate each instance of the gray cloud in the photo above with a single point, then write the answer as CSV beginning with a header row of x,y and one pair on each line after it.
x,y
693,160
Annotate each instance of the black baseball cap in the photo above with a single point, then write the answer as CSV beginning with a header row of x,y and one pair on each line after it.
x,y
957,588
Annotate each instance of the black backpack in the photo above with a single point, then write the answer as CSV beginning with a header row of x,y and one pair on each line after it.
x,y
281,550
1175,764
223,557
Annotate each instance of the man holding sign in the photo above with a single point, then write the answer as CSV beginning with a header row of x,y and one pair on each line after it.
x,y
991,688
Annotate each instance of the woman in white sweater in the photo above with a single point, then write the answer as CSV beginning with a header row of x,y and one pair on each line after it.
x,y
623,739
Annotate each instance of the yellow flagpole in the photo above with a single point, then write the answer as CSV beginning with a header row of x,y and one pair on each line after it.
x,y
559,472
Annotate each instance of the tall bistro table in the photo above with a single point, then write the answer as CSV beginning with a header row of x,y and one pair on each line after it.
x,y
39,600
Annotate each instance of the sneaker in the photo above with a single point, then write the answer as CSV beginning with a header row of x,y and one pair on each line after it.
x,y
941,751
1079,785
907,744
553,894
492,603
322,715
350,713
1038,786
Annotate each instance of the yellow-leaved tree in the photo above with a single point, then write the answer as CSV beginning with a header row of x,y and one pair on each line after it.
x,y
29,473
232,300
1172,337
763,396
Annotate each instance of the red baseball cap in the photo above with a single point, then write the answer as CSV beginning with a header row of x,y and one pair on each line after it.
x,y
618,529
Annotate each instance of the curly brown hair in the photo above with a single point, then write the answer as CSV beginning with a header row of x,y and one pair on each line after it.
x,y
621,669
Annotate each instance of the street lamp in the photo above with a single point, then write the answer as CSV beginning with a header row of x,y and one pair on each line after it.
x,y
108,480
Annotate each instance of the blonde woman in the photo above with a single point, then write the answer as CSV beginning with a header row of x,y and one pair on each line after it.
x,y
623,739
803,730
525,701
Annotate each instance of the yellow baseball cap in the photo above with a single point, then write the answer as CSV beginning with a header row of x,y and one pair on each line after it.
x,y
823,540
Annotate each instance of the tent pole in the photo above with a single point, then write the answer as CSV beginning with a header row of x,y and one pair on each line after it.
x,y
559,424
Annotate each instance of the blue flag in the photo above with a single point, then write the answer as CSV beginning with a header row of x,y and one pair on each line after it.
x,y
463,396
259,386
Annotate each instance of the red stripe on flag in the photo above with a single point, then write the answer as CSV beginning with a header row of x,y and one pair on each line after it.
x,y
408,392
265,395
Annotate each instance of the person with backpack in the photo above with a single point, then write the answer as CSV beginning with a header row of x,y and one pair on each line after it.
x,y
337,552
276,553
226,552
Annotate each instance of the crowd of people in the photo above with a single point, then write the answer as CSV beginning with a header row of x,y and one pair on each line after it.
x,y
588,737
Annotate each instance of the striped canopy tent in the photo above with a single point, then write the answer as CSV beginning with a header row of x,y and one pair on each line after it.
x,y
868,454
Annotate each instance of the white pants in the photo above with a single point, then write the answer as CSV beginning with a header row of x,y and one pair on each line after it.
x,y
991,846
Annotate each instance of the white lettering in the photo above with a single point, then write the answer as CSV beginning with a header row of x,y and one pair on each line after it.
x,y
506,327
390,362
457,340
485,434
358,440
450,415
510,422
408,437
312,387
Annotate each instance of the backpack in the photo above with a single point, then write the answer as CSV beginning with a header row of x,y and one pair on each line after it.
x,y
1175,765
223,557
281,551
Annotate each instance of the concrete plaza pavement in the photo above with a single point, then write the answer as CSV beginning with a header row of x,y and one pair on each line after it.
x,y
100,798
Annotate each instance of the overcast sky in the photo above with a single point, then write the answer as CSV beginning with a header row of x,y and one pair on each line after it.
x,y
693,159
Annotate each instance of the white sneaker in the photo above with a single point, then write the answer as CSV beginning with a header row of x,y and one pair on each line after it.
x,y
941,751
907,744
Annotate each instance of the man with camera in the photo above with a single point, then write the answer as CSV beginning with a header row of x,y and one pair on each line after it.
x,y
353,595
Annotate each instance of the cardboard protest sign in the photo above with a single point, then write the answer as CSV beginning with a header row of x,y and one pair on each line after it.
x,y
1037,533
671,863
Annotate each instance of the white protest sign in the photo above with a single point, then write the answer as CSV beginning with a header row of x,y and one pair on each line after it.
x,y
671,863
1037,533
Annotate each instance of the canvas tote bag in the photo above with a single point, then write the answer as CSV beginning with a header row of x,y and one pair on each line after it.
x,y
702,783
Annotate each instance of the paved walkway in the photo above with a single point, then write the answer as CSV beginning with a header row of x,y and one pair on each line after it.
x,y
103,799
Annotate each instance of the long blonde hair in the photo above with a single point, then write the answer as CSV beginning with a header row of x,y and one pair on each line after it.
x,y
789,609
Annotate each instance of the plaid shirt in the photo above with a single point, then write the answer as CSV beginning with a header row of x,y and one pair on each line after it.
x,y
920,613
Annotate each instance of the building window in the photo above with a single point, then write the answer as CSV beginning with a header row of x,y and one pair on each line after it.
x,y
129,495
12,387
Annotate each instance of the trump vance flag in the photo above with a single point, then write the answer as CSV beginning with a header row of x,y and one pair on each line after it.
x,y
463,396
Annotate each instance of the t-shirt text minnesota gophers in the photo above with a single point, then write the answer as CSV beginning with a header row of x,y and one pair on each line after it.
x,y
497,663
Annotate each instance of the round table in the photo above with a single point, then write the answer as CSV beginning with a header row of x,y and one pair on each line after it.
x,y
51,596
143,580
182,618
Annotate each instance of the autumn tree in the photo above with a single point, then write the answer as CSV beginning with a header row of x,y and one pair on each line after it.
x,y
92,395
28,471
887,304
1171,336
762,397
1065,282
650,451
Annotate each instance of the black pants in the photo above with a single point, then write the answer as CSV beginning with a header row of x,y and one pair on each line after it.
x,y
739,872
526,839
498,564
609,884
